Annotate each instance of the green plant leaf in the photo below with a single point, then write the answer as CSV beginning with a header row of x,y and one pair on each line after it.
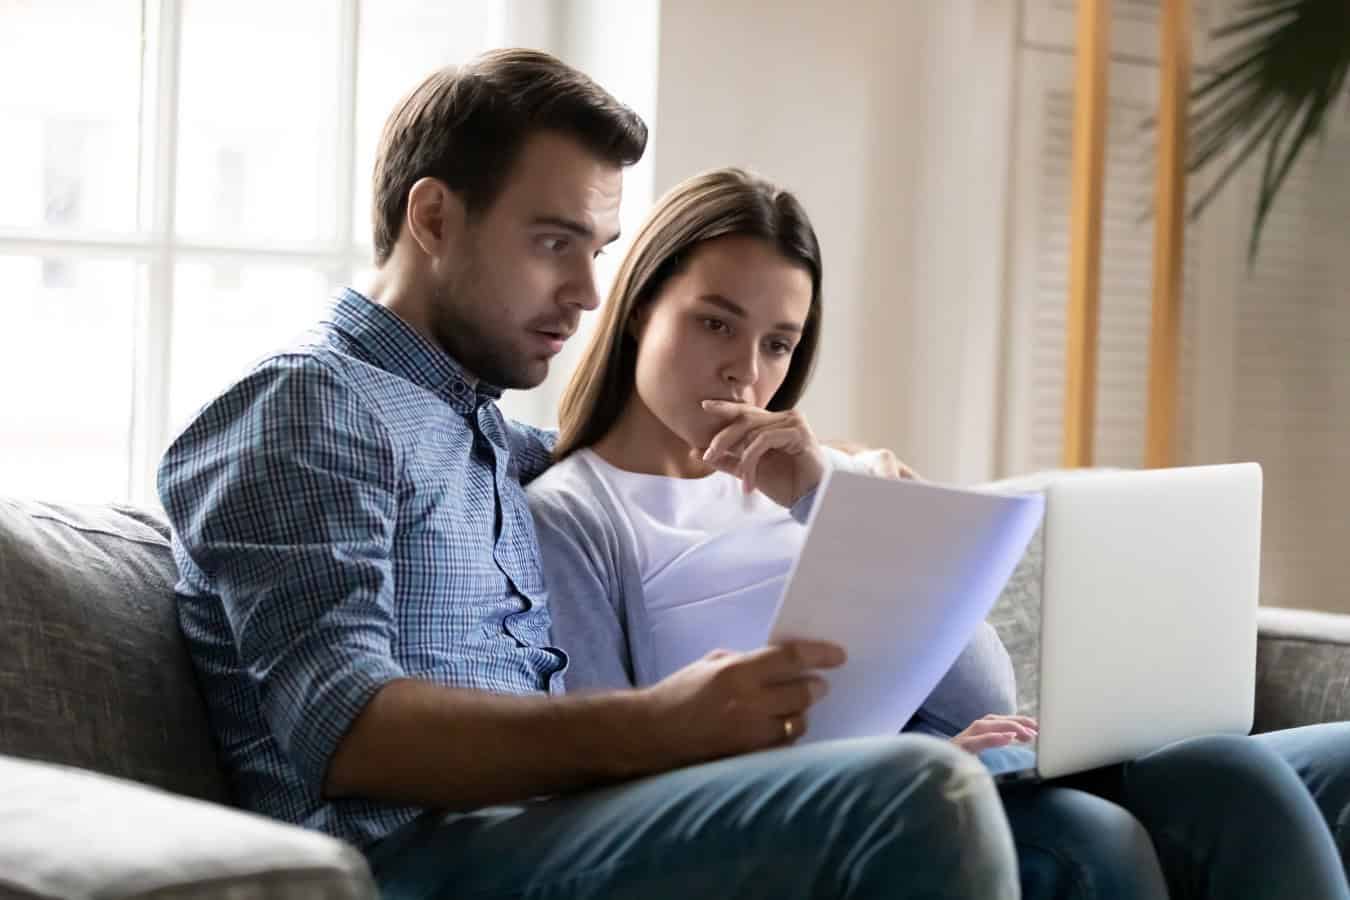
x,y
1281,73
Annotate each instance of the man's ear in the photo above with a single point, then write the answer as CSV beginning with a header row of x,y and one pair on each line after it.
x,y
436,218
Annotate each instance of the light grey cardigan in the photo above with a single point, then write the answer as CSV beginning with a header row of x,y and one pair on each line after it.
x,y
600,617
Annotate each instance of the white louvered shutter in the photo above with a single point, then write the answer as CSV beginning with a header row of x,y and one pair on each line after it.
x,y
1134,26
1034,424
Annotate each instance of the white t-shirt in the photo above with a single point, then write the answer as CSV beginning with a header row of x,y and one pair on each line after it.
x,y
712,560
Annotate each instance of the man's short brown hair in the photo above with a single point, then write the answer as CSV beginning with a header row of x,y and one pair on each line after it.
x,y
465,125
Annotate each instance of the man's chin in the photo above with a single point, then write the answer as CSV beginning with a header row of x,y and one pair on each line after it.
x,y
525,377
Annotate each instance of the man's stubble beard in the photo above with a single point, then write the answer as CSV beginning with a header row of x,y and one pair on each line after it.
x,y
459,326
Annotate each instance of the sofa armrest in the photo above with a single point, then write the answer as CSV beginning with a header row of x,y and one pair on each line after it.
x,y
71,833
1302,668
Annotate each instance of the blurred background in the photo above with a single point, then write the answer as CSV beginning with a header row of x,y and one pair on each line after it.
x,y
184,182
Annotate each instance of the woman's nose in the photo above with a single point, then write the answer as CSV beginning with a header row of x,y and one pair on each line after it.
x,y
741,372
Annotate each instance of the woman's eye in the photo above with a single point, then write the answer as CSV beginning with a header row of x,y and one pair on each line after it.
x,y
716,326
780,348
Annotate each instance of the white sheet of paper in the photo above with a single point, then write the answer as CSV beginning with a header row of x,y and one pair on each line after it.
x,y
900,574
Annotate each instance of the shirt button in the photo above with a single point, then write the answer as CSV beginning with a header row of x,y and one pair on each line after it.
x,y
458,387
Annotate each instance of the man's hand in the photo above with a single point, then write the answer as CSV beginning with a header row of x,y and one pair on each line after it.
x,y
729,703
996,731
775,452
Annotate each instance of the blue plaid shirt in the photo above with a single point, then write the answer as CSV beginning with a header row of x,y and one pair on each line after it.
x,y
349,513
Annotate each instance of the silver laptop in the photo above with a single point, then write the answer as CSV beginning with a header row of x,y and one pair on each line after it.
x,y
1148,613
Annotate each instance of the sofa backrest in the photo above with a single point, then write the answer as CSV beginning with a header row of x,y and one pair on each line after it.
x,y
93,669
1017,619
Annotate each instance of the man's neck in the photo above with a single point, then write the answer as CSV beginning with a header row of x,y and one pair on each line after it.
x,y
393,288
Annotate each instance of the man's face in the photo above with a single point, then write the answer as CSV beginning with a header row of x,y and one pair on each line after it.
x,y
519,279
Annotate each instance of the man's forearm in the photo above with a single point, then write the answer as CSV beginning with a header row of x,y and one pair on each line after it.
x,y
428,745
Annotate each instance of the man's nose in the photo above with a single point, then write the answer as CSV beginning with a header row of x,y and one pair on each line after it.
x,y
581,290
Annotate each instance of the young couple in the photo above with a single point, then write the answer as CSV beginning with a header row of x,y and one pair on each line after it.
x,y
362,581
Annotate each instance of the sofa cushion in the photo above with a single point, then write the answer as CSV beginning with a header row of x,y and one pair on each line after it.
x,y
74,834
93,670
1302,668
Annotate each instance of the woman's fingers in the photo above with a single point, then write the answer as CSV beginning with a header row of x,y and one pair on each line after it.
x,y
740,419
979,743
786,439
996,724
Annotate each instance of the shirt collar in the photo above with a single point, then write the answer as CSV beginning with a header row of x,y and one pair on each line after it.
x,y
397,347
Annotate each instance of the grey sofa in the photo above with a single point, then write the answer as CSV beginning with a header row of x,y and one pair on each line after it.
x,y
109,785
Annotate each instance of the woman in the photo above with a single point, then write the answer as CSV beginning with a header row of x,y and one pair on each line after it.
x,y
683,477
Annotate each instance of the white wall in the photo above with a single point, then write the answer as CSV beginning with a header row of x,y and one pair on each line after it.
x,y
616,43
890,122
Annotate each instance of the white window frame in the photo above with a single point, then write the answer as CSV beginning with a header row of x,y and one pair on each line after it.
x,y
577,32
157,247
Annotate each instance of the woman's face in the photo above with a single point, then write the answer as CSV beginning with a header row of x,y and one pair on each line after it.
x,y
724,328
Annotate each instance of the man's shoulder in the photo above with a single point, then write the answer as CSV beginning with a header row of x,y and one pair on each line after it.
x,y
315,373
319,361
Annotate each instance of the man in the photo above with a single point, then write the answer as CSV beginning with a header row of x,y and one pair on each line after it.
x,y
361,590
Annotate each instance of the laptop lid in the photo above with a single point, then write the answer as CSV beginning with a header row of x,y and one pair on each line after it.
x,y
1148,619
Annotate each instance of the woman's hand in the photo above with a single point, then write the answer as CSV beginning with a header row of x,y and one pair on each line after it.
x,y
996,731
775,452
880,462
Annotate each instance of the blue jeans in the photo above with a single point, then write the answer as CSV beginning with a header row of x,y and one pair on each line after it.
x,y
907,816
1215,817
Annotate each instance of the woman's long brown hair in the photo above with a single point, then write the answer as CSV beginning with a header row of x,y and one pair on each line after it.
x,y
715,204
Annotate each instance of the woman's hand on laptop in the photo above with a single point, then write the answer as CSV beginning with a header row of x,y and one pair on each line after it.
x,y
996,731
775,452
729,703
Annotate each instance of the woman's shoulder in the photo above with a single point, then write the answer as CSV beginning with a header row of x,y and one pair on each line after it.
x,y
570,476
569,490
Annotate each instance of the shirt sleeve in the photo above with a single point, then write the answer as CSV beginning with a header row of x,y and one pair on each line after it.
x,y
282,499
532,448
585,598
834,459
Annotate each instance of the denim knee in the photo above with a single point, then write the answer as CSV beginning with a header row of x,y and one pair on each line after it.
x,y
1073,845
1229,769
1229,813
916,798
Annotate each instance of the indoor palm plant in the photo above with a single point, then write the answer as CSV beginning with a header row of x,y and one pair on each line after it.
x,y
1280,72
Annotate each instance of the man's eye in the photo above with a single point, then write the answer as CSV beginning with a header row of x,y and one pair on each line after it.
x,y
555,244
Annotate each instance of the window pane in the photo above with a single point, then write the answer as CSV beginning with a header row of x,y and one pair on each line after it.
x,y
66,364
403,41
257,101
227,316
68,113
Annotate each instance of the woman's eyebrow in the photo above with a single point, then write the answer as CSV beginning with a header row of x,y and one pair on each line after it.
x,y
737,310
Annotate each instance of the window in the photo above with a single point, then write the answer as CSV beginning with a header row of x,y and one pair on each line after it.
x,y
182,185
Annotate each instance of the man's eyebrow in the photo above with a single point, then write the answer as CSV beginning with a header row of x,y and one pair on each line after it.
x,y
737,310
579,229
